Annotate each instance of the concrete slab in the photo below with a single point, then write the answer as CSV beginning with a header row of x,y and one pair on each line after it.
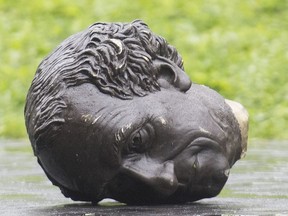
x,y
257,185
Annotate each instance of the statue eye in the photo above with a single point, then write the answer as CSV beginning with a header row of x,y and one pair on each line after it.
x,y
138,142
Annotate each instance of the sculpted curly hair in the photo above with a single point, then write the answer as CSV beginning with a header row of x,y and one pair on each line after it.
x,y
117,58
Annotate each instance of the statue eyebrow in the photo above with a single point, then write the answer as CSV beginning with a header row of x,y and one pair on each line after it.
x,y
124,132
127,132
120,136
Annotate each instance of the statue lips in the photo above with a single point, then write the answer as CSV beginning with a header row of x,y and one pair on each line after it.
x,y
202,166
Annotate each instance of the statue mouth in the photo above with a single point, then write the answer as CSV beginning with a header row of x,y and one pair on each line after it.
x,y
201,168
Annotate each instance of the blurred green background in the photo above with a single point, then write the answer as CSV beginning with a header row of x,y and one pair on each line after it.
x,y
239,48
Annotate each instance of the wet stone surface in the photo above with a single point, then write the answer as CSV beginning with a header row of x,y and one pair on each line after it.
x,y
257,185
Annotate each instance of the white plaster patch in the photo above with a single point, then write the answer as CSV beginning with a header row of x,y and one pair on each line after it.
x,y
203,130
162,120
90,118
96,119
145,58
86,117
227,172
242,117
121,132
118,43
118,137
126,127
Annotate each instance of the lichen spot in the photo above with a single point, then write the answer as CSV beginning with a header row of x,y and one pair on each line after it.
x,y
162,120
86,117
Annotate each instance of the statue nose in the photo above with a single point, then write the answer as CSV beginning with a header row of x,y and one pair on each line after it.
x,y
159,176
170,74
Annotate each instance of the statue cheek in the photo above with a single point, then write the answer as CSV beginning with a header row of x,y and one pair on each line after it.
x,y
109,158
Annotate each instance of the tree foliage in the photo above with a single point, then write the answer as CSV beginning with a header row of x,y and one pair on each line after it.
x,y
238,48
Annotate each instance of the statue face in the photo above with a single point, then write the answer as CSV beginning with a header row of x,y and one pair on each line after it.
x,y
167,147
112,114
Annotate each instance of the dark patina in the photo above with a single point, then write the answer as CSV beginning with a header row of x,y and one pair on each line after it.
x,y
112,114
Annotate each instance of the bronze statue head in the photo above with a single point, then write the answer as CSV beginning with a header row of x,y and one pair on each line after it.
x,y
112,114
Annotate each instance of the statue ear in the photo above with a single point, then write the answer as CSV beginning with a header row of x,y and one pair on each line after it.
x,y
170,74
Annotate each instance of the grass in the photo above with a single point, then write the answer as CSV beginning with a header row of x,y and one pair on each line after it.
x,y
239,48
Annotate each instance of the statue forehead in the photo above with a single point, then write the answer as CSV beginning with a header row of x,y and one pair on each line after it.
x,y
86,98
90,103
